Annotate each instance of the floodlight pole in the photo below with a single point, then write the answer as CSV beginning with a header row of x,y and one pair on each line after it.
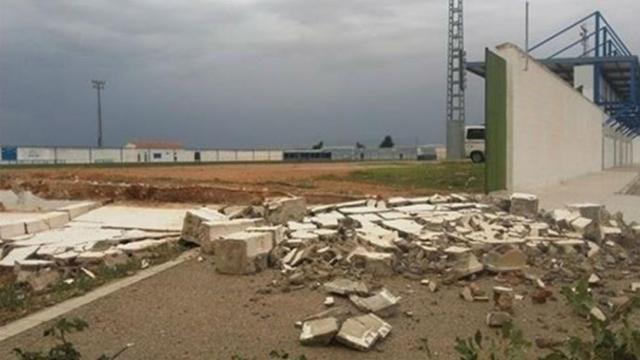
x,y
99,85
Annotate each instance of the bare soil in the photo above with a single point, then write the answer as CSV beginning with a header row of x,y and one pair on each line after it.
x,y
218,183
191,312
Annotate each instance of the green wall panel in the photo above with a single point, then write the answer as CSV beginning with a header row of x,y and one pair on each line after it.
x,y
496,122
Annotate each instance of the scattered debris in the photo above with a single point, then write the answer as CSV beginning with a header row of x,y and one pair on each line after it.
x,y
319,332
362,332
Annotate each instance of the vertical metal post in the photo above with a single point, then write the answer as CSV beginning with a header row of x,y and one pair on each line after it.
x,y
605,35
456,82
99,85
596,67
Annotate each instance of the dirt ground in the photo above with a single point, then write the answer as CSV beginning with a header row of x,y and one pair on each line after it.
x,y
216,183
200,314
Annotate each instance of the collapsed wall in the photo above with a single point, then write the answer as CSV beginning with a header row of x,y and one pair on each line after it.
x,y
542,131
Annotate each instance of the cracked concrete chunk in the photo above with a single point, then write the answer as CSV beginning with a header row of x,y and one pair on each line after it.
x,y
344,286
505,258
467,265
282,210
362,332
383,303
588,228
243,253
376,263
524,205
319,332
593,212
192,225
215,230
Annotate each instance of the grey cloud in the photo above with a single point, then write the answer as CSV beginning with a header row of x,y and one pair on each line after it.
x,y
239,73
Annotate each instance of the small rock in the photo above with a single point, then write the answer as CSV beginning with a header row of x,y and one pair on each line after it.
x,y
598,314
467,294
329,301
498,318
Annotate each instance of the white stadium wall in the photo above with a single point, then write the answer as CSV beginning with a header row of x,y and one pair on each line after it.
x,y
100,156
553,132
65,155
34,155
73,156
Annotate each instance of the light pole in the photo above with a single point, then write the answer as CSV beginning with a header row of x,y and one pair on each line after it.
x,y
99,85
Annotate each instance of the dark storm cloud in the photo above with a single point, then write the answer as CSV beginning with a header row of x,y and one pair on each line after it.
x,y
241,73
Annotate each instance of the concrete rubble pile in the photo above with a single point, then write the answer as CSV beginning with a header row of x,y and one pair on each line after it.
x,y
47,241
438,240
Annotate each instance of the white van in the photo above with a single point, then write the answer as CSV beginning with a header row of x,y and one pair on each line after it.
x,y
474,136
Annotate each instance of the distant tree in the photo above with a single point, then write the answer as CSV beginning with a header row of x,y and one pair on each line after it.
x,y
360,146
387,142
318,146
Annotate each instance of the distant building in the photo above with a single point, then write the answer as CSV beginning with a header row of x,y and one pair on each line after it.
x,y
153,144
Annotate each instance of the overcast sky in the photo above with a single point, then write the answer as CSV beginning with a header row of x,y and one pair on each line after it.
x,y
252,73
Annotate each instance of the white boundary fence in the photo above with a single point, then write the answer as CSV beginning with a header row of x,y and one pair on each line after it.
x,y
34,155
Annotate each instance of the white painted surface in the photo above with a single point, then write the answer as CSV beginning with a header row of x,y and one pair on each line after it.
x,y
554,132
635,151
73,156
33,155
135,218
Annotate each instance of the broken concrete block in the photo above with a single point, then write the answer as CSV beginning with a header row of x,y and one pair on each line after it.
x,y
56,219
329,301
588,228
467,294
383,304
215,230
563,218
277,232
141,249
328,220
282,210
75,210
593,212
635,287
376,263
466,266
498,318
11,230
610,233
243,253
319,332
524,205
36,225
18,254
382,242
192,226
345,287
505,258
363,331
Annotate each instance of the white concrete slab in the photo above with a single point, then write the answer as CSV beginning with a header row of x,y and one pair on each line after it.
x,y
125,217
18,254
361,210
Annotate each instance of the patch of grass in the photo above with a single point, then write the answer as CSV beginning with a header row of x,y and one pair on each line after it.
x,y
440,176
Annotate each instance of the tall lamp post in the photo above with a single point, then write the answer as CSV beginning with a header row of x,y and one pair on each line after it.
x,y
99,85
